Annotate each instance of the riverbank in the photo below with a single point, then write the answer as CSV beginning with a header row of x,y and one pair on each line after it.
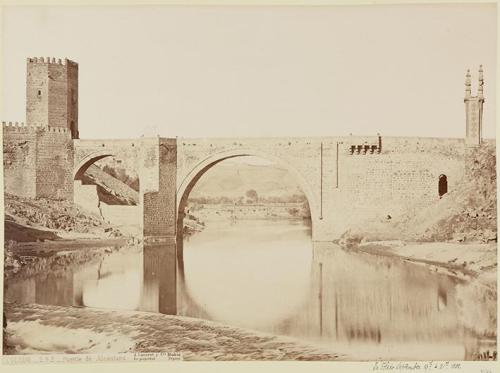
x,y
465,260
475,264
23,260
250,211
40,329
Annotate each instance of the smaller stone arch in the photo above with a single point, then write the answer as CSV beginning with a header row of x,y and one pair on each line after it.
x,y
442,185
128,217
87,161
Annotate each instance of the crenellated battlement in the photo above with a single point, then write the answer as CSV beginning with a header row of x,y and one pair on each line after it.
x,y
17,127
23,127
13,124
366,145
51,60
55,129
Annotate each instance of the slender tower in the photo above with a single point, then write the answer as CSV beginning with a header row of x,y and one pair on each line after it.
x,y
52,94
474,111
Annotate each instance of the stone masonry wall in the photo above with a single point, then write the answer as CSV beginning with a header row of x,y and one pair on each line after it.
x,y
403,176
54,164
37,94
19,157
72,98
58,88
160,207
38,161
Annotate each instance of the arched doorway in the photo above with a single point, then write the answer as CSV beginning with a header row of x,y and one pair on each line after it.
x,y
442,185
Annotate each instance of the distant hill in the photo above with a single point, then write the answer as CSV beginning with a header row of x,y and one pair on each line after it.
x,y
233,180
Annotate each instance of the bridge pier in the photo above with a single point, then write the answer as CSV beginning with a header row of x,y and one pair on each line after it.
x,y
160,223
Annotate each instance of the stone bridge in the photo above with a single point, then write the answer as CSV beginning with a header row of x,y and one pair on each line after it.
x,y
346,180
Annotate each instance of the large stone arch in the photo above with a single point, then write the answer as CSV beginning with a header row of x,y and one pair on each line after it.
x,y
189,180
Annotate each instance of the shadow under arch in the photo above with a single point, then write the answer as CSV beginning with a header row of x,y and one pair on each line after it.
x,y
89,160
194,175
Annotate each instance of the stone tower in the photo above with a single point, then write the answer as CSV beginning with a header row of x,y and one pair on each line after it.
x,y
474,111
52,94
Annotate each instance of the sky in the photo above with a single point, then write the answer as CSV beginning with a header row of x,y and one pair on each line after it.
x,y
219,71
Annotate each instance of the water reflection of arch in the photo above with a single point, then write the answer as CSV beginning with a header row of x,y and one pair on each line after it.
x,y
192,177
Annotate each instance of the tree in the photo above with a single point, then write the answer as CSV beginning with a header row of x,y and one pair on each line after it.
x,y
252,195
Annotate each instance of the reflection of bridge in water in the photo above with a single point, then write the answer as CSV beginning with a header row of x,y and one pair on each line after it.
x,y
158,293
392,302
72,286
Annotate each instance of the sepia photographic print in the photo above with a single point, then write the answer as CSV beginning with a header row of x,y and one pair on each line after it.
x,y
250,183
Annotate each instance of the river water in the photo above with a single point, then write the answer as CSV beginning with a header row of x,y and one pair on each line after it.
x,y
268,276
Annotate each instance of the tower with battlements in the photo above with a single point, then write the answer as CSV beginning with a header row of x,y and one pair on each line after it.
x,y
52,94
474,110
38,154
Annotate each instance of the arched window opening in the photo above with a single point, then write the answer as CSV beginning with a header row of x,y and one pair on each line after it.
x,y
443,185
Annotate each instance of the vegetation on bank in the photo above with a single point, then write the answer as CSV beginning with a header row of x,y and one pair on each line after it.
x,y
251,197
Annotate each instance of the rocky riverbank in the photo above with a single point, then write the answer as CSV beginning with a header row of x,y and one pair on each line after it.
x,y
32,220
473,260
53,329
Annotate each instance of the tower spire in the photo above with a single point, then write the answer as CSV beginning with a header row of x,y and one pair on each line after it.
x,y
467,84
481,82
474,111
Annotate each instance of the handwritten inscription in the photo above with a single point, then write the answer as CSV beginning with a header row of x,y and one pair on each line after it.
x,y
423,366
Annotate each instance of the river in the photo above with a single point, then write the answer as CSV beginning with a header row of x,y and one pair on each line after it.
x,y
268,276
